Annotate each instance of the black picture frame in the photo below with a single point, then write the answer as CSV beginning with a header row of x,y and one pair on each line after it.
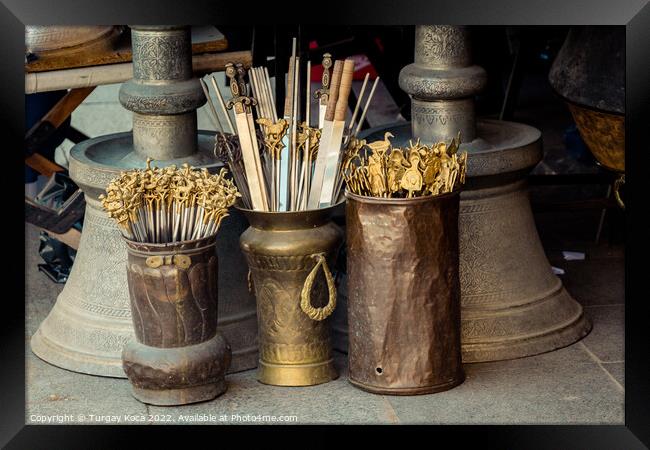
x,y
633,14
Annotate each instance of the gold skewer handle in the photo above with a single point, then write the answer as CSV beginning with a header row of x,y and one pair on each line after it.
x,y
322,93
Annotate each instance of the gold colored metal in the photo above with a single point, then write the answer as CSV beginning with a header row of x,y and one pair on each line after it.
x,y
414,171
305,295
273,134
182,261
603,133
323,93
166,205
314,141
154,261
377,174
286,252
412,179
380,147
620,181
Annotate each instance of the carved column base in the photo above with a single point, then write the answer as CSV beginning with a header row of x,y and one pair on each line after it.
x,y
165,137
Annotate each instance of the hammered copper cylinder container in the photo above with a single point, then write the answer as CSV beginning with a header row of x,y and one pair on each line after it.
x,y
178,356
404,294
289,255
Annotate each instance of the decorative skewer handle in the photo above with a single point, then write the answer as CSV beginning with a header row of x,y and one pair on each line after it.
x,y
344,90
241,73
323,93
334,90
238,100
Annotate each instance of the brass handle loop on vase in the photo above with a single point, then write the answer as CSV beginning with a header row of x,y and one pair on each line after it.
x,y
305,296
617,191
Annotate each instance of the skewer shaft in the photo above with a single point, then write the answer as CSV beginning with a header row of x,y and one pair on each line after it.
x,y
223,105
294,134
365,107
306,166
215,116
356,107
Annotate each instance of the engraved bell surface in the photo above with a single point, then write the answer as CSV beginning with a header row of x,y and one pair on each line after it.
x,y
509,309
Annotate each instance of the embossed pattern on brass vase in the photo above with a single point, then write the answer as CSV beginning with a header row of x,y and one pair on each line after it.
x,y
289,255
404,294
178,356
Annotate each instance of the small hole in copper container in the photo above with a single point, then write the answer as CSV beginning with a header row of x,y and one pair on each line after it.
x,y
379,370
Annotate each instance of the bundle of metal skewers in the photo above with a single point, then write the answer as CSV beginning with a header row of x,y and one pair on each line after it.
x,y
288,164
169,204
415,171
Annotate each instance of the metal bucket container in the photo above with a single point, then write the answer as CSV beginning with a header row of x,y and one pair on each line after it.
x,y
404,294
178,356
289,255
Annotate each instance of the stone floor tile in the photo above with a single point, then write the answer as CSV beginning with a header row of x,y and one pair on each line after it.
x,y
334,402
607,339
562,394
54,392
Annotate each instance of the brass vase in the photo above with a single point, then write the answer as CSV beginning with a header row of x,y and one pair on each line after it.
x,y
289,255
178,356
404,294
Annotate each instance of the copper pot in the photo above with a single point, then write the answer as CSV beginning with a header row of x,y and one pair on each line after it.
x,y
289,255
178,357
404,294
589,74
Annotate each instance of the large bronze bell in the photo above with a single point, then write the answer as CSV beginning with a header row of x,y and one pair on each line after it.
x,y
91,321
512,305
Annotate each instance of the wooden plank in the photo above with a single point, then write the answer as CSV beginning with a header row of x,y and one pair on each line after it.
x,y
118,73
116,50
70,238
64,107
43,165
